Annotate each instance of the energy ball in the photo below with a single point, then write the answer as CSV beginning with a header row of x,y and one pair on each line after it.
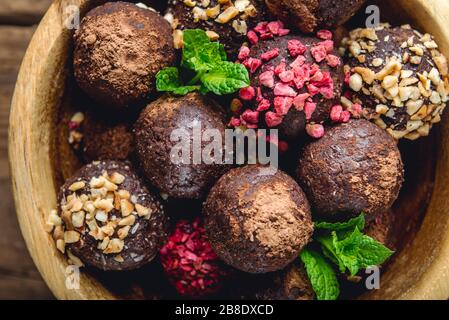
x,y
108,219
188,177
119,49
381,229
356,167
225,21
295,82
101,138
257,222
399,77
312,15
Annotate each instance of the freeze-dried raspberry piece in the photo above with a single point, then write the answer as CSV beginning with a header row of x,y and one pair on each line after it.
x,y
267,56
273,119
296,48
324,34
247,93
318,52
267,79
244,53
282,105
300,100
281,89
252,37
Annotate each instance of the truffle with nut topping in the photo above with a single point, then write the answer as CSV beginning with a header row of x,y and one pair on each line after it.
x,y
256,220
311,15
119,49
224,20
296,80
356,167
399,77
107,218
160,129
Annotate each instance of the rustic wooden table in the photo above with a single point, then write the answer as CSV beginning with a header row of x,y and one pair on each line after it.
x,y
19,278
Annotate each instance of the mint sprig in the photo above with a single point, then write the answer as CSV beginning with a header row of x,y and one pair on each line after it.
x,y
321,274
208,60
345,245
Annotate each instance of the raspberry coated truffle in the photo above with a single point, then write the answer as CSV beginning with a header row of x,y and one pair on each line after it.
x,y
257,222
356,167
399,77
295,82
119,49
226,21
190,263
108,219
313,15
153,131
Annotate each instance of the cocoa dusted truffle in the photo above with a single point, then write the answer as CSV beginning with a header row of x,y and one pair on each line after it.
x,y
226,21
257,221
119,49
154,144
399,77
108,219
296,80
356,167
313,15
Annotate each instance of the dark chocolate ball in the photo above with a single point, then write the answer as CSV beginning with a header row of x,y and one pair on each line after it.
x,y
313,15
381,229
153,130
256,221
119,49
107,138
295,81
230,21
356,167
399,77
109,219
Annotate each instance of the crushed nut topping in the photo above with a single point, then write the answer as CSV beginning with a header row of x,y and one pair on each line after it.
x,y
396,88
98,208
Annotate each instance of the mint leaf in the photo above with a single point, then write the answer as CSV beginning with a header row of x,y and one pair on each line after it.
x,y
322,276
199,53
168,80
226,78
354,252
358,222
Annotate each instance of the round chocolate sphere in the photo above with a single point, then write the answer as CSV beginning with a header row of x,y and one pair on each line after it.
x,y
356,167
399,77
119,49
257,221
310,16
108,218
162,127
107,138
226,22
295,81
381,229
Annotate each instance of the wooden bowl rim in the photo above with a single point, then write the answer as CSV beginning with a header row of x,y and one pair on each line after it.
x,y
31,167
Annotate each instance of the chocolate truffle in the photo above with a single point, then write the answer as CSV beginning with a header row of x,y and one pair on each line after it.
x,y
399,77
107,138
257,221
108,219
153,131
289,284
295,81
312,15
356,167
226,21
119,49
381,229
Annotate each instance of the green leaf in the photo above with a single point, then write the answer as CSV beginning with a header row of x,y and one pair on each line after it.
x,y
355,251
226,78
358,222
322,276
168,80
199,53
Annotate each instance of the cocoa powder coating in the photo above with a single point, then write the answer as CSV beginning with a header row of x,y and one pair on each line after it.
x,y
257,223
355,167
119,49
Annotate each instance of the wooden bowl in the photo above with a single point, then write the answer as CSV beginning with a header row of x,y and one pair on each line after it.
x,y
40,160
